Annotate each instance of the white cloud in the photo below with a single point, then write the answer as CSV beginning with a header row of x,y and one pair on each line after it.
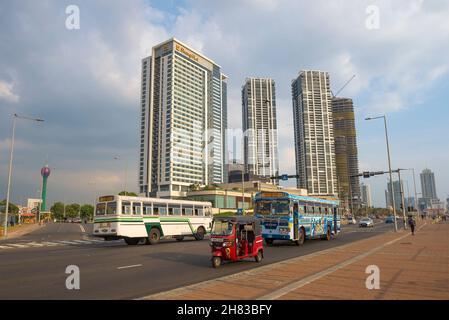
x,y
7,92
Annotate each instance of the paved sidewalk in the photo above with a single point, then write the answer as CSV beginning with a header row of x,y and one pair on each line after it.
x,y
411,267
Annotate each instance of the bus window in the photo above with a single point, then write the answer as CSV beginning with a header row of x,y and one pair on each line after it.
x,y
156,211
162,211
111,208
137,208
174,209
196,212
126,207
200,212
187,210
147,209
101,209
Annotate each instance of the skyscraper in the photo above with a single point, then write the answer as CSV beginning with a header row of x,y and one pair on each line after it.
x,y
365,190
346,155
428,184
397,195
183,121
260,127
314,133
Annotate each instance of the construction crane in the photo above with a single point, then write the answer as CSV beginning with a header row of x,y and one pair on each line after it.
x,y
344,86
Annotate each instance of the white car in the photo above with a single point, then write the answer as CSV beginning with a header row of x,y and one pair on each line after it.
x,y
366,223
351,220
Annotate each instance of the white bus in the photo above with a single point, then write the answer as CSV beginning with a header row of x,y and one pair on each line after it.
x,y
137,219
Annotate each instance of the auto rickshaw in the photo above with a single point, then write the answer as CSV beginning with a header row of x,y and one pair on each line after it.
x,y
236,238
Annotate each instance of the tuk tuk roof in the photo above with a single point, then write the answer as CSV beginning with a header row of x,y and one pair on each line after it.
x,y
239,219
242,220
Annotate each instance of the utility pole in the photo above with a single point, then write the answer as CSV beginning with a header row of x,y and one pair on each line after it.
x,y
402,198
389,168
15,117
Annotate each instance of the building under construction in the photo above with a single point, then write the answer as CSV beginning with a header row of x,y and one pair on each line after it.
x,y
346,157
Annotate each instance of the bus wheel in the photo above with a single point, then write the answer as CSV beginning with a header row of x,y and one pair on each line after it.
x,y
155,236
259,256
132,241
301,238
269,242
179,238
199,235
216,262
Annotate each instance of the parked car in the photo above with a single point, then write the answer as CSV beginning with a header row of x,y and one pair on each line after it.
x,y
366,223
351,220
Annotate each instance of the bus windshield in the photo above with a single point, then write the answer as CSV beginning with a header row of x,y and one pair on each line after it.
x,y
269,207
222,228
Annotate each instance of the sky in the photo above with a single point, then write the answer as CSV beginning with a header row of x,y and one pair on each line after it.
x,y
84,82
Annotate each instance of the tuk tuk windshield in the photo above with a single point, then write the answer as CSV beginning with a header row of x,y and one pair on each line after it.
x,y
222,228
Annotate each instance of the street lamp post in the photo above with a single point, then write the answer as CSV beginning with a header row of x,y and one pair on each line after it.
x,y
389,167
402,199
126,171
15,117
416,194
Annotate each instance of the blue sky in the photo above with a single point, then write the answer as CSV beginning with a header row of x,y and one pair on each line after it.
x,y
85,83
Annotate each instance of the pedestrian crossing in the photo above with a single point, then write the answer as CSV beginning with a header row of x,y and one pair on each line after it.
x,y
54,243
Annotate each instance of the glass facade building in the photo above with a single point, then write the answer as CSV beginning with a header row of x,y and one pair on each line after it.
x,y
260,127
183,121
314,133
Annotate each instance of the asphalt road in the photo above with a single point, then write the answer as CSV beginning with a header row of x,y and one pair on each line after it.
x,y
113,270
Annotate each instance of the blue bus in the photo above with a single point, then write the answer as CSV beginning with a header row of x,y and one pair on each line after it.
x,y
291,217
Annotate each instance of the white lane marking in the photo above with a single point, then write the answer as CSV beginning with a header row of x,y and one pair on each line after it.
x,y
305,281
17,245
51,244
82,241
131,266
5,247
67,242
35,244
82,228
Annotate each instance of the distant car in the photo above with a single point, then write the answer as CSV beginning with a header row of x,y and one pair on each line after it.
x,y
366,223
389,219
76,220
351,220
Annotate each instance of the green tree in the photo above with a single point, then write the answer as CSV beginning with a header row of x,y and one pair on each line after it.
x,y
72,210
13,209
57,210
87,211
129,194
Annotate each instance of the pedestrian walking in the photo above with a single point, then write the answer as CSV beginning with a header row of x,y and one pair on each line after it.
x,y
411,223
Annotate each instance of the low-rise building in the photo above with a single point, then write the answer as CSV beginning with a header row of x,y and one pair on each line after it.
x,y
232,196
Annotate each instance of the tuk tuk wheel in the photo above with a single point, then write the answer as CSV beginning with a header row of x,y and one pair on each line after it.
x,y
259,256
216,262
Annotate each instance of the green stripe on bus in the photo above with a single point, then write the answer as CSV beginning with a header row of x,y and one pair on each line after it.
x,y
149,226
